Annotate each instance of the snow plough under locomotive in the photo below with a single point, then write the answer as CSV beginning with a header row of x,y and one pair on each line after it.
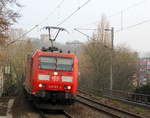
x,y
52,75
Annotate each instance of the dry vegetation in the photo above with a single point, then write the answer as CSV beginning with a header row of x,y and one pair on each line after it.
x,y
95,62
12,57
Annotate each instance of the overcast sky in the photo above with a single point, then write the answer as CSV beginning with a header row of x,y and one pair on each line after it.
x,y
137,38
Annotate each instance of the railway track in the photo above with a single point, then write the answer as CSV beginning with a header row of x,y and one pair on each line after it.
x,y
55,113
140,100
51,113
107,109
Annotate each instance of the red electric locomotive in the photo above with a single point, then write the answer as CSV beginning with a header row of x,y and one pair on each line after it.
x,y
51,76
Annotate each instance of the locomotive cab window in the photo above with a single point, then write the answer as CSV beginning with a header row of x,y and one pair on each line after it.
x,y
47,62
64,64
56,63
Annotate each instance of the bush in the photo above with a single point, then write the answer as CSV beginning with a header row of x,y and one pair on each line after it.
x,y
143,90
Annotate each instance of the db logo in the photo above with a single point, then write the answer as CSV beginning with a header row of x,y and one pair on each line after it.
x,y
55,78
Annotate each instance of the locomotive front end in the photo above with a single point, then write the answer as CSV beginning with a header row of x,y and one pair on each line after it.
x,y
56,78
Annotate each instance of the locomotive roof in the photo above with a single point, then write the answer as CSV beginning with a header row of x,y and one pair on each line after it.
x,y
58,54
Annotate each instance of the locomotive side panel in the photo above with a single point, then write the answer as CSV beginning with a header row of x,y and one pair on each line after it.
x,y
75,75
35,73
28,71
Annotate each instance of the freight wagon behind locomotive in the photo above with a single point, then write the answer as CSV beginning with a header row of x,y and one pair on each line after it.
x,y
51,76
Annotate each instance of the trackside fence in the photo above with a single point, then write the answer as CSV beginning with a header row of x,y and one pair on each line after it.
x,y
142,100
134,97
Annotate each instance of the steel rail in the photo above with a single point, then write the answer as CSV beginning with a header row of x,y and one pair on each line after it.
x,y
42,115
67,114
135,103
128,102
110,107
45,112
98,109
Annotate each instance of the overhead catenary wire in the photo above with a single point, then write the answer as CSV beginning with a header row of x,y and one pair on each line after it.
x,y
134,25
35,26
63,21
126,28
85,28
22,35
58,6
121,12
68,17
88,37
128,8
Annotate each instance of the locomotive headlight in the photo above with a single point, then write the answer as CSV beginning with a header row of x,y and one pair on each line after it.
x,y
40,85
68,87
67,79
55,73
43,77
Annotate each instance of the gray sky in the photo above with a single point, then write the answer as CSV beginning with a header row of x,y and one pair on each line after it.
x,y
137,38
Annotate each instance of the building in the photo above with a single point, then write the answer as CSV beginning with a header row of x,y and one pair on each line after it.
x,y
144,70
15,33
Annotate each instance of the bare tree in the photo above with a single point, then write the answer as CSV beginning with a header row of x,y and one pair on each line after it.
x,y
95,62
9,14
7,17
123,69
16,59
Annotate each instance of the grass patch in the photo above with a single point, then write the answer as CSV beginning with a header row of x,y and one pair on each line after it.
x,y
121,105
